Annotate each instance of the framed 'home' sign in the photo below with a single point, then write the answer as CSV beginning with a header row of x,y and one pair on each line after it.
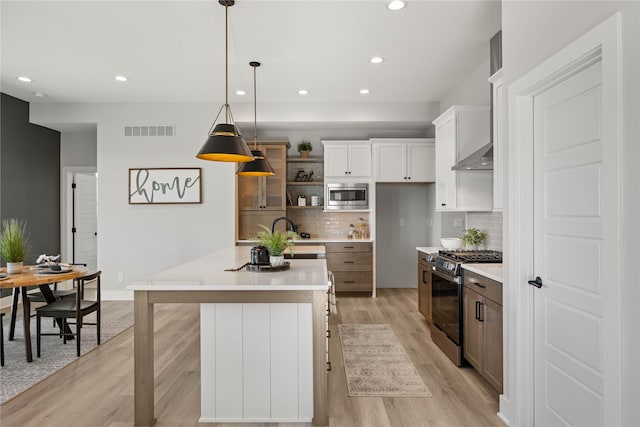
x,y
164,185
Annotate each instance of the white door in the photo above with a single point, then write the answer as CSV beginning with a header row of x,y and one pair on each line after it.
x,y
575,255
85,220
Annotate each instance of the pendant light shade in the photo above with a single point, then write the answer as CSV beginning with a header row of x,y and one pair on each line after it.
x,y
260,166
225,144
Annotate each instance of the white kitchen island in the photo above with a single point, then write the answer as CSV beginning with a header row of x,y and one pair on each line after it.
x,y
263,337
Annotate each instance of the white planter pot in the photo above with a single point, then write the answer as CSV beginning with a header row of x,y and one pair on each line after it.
x,y
276,260
14,267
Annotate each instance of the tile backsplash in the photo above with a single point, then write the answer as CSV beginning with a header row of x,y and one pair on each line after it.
x,y
325,224
491,222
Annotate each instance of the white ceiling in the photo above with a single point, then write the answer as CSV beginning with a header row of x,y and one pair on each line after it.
x,y
173,51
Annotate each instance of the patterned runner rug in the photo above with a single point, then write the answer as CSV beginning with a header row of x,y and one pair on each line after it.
x,y
17,375
376,364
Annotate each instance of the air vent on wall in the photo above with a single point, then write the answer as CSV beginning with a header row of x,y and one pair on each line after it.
x,y
149,131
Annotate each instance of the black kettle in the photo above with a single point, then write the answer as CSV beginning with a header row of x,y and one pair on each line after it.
x,y
259,255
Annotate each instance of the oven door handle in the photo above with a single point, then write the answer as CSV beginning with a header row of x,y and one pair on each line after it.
x,y
455,279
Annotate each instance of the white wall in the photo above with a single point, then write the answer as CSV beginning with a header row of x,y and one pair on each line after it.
x,y
532,31
139,240
78,148
473,90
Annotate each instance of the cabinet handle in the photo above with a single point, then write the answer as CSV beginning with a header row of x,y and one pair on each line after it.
x,y
423,279
480,317
328,366
408,177
475,282
443,204
349,281
477,307
328,333
348,247
348,262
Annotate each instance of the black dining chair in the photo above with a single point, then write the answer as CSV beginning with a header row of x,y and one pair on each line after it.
x,y
72,308
37,296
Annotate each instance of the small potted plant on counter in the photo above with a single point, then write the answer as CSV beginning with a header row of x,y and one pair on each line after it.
x,y
276,243
473,237
304,148
14,244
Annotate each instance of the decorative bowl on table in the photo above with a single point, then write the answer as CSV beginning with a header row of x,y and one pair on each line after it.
x,y
451,243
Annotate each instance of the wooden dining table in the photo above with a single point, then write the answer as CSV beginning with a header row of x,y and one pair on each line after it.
x,y
31,276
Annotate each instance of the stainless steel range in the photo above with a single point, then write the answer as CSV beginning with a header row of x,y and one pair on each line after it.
x,y
446,296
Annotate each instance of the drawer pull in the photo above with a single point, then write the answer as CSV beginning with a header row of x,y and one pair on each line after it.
x,y
475,282
348,262
347,247
349,281
328,333
328,366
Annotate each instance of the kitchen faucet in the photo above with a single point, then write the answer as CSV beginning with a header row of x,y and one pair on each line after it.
x,y
292,227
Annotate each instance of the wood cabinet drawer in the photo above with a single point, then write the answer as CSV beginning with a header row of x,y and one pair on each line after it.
x,y
357,281
484,286
349,247
359,261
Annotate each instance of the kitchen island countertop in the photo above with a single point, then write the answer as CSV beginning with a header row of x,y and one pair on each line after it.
x,y
208,273
429,249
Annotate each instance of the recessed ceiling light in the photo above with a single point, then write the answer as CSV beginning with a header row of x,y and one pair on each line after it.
x,y
39,94
241,92
365,91
121,78
303,92
376,60
25,79
396,5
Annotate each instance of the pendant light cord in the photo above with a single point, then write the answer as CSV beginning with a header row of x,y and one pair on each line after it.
x,y
226,59
255,110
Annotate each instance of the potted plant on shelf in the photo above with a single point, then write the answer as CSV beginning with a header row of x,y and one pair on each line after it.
x,y
276,243
474,237
14,244
304,148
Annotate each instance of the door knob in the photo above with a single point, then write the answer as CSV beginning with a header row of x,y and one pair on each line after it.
x,y
537,282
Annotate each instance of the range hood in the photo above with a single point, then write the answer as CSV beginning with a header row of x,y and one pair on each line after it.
x,y
481,159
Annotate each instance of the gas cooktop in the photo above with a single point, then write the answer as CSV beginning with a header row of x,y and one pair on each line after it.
x,y
472,256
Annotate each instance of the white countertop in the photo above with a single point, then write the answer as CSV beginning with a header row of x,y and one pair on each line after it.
x,y
490,271
207,273
429,249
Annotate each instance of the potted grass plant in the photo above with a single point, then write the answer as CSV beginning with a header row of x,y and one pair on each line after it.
x,y
304,148
276,243
14,244
474,237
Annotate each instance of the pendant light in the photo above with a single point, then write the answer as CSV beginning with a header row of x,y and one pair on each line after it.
x,y
260,166
225,144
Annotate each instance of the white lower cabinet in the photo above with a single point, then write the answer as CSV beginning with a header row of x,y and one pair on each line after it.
x,y
256,362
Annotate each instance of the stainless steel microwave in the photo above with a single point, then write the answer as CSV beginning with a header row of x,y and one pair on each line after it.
x,y
347,196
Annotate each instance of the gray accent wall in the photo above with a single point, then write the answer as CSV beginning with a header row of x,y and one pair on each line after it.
x,y
30,175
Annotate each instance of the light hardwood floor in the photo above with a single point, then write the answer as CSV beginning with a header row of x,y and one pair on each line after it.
x,y
97,389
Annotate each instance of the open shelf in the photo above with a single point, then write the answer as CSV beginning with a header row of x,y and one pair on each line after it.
x,y
309,160
300,183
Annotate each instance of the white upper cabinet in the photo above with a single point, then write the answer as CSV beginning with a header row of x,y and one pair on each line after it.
x,y
460,131
499,158
347,159
404,160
